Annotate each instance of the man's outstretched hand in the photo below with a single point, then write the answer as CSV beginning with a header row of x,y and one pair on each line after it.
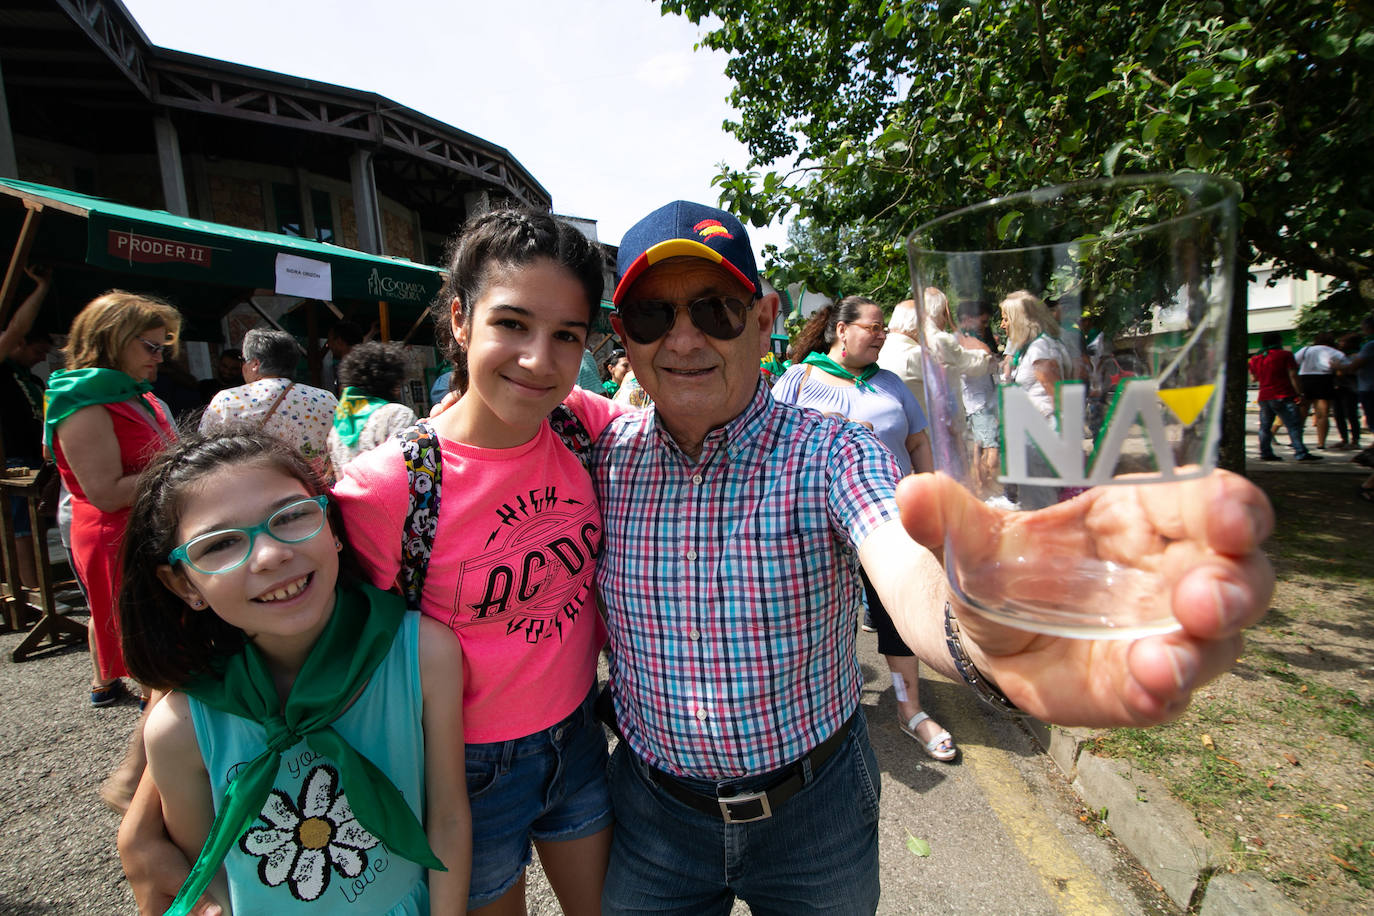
x,y
1203,541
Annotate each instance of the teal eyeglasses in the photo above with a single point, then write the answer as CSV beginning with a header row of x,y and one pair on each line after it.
x,y
229,548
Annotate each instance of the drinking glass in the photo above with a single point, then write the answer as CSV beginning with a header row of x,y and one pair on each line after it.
x,y
1113,296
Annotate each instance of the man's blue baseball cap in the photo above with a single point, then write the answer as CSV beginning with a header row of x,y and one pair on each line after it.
x,y
685,229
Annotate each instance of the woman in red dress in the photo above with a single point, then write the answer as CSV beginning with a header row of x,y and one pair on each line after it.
x,y
103,425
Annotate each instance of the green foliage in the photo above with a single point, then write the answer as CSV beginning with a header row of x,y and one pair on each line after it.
x,y
865,119
1339,312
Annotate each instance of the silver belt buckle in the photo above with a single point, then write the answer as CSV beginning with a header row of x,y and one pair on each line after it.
x,y
760,797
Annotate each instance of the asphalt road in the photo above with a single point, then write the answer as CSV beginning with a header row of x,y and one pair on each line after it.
x,y
1004,830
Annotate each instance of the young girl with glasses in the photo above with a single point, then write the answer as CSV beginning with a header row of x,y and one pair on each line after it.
x,y
514,545
307,740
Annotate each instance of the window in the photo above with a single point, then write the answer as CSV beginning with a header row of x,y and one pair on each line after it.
x,y
287,202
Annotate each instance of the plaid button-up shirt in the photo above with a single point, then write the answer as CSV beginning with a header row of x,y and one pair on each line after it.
x,y
732,583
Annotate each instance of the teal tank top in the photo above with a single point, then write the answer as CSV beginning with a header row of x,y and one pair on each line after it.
x,y
305,852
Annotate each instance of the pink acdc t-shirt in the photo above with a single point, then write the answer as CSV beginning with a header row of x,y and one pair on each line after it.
x,y
511,570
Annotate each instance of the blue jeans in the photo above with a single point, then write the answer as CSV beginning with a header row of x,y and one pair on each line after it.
x,y
548,786
19,506
818,853
1286,410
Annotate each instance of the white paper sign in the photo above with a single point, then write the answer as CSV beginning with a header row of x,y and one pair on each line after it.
x,y
304,277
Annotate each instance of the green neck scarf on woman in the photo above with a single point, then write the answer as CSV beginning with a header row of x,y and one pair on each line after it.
x,y
826,364
354,642
69,390
1021,353
351,415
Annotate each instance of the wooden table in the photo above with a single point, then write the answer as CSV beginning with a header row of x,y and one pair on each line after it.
x,y
52,628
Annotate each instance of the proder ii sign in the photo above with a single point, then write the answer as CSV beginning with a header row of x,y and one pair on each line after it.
x,y
149,249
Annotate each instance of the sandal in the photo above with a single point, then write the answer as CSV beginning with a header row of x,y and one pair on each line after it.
x,y
941,747
109,694
1367,494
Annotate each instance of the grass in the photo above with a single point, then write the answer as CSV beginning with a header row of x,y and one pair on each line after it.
x,y
1276,759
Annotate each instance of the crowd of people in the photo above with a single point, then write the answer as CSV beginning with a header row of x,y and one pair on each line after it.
x,y
1328,379
329,605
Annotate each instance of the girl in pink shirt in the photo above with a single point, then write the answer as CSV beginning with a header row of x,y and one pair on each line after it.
x,y
515,538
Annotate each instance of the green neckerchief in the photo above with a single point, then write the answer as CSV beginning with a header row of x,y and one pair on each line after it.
x,y
71,390
351,415
772,364
28,383
354,642
1019,354
826,364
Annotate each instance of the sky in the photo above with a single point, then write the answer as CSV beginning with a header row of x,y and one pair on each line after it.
x,y
605,102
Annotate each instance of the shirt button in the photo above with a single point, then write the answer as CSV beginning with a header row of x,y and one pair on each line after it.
x,y
696,479
694,634
701,714
691,554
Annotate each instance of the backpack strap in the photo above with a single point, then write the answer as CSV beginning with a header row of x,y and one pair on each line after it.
x,y
424,471
424,465
568,426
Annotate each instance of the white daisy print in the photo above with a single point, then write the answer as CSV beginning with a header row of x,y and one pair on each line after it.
x,y
301,841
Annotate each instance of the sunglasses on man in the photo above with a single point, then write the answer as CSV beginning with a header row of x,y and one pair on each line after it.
x,y
721,317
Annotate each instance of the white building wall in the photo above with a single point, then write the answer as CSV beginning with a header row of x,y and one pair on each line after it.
x,y
1276,307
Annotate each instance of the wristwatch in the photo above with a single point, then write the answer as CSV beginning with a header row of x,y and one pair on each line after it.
x,y
982,687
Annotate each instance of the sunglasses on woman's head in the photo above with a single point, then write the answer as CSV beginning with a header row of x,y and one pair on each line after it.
x,y
721,317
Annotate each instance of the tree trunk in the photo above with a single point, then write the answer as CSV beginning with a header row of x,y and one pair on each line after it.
x,y
1232,452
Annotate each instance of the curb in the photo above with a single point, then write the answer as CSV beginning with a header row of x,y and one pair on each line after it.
x,y
1156,829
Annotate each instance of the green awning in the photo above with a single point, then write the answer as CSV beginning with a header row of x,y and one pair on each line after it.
x,y
159,244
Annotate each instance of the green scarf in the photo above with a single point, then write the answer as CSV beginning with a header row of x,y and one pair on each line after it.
x,y
1021,353
351,415
69,390
354,642
826,364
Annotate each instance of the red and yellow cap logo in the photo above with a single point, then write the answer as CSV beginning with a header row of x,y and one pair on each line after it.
x,y
710,228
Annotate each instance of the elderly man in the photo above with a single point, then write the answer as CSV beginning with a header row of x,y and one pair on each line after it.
x,y
733,532
901,352
297,414
734,528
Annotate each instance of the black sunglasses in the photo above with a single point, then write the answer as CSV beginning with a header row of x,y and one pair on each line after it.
x,y
158,350
721,317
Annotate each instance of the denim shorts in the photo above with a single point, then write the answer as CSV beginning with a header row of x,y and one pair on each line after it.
x,y
817,854
983,424
548,786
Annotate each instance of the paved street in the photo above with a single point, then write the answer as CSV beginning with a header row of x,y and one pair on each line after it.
x,y
1003,828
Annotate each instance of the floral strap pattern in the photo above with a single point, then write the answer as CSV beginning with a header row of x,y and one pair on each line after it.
x,y
568,427
424,465
424,469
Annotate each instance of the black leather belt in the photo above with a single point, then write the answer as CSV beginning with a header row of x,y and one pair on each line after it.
x,y
753,806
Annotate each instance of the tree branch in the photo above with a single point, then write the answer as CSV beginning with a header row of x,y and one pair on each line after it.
x,y
1042,41
1350,269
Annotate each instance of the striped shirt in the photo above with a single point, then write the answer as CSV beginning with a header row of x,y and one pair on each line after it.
x,y
732,583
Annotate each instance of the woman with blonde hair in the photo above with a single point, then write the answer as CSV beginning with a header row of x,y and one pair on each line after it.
x,y
103,425
1037,360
